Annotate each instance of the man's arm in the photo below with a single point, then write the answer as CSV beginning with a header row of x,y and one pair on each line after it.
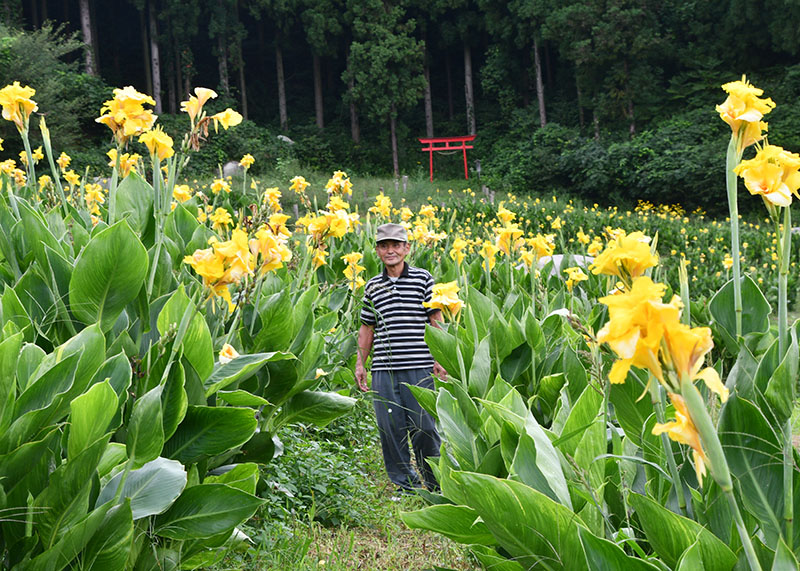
x,y
366,334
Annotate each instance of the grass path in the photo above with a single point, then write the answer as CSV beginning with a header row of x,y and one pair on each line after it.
x,y
369,534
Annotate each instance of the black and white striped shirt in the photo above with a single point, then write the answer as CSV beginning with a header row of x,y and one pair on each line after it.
x,y
394,309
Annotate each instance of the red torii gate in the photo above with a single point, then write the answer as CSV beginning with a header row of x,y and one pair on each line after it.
x,y
447,144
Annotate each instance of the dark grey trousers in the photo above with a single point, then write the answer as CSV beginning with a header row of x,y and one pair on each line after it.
x,y
399,416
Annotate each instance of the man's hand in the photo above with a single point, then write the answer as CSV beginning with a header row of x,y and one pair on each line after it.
x,y
361,377
439,371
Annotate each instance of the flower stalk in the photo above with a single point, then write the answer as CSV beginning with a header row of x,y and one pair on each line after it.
x,y
718,463
657,399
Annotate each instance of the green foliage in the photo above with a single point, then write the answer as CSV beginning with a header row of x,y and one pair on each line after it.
x,y
71,99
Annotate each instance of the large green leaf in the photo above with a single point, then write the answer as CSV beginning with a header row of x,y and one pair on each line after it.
x,y
531,527
181,225
604,555
108,275
90,416
36,407
755,458
112,544
481,370
316,407
66,499
207,431
151,489
459,523
146,430
547,458
71,543
9,353
277,322
242,476
780,393
206,510
582,415
443,348
14,312
197,346
239,369
135,202
754,319
174,400
465,445
671,534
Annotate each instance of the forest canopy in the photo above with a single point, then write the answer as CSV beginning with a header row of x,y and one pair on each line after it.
x,y
609,98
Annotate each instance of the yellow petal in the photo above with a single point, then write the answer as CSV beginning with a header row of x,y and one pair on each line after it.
x,y
713,382
619,371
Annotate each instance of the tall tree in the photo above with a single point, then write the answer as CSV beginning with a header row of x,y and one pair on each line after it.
x,y
86,28
155,59
322,22
282,14
386,64
218,29
463,26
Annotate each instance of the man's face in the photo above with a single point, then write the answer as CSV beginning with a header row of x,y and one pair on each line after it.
x,y
392,252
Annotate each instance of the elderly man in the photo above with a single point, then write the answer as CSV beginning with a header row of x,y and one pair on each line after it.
x,y
393,319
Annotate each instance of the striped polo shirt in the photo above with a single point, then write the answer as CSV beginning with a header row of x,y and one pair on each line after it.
x,y
394,309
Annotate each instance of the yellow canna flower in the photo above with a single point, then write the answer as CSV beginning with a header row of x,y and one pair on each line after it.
x,y
626,256
428,211
686,348
17,104
72,178
527,258
457,250
488,252
227,354
339,184
406,214
63,161
557,223
158,143
445,297
509,238
574,275
195,103
272,198
595,247
383,206
772,174
247,161
352,258
201,215
505,215
221,219
207,264
182,192
1,144
227,118
542,245
219,185
37,154
272,249
44,182
583,238
635,328
125,114
336,203
318,258
683,430
743,111
299,184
